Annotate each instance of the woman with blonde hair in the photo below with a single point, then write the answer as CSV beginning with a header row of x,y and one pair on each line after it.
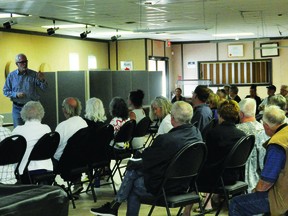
x,y
160,110
95,113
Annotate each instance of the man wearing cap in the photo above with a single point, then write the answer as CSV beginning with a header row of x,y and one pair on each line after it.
x,y
271,89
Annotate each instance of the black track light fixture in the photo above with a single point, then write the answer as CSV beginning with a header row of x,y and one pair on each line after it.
x,y
9,23
51,31
84,34
115,37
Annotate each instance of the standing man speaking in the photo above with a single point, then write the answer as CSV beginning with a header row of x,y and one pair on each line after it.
x,y
21,87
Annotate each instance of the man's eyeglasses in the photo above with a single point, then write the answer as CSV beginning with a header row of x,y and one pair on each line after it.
x,y
22,62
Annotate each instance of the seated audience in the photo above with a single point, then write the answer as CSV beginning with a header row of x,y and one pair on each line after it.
x,y
220,140
119,111
213,101
222,94
270,196
270,92
145,179
160,110
178,96
7,175
135,100
95,113
227,88
202,113
253,94
284,93
32,114
71,108
233,93
250,125
279,101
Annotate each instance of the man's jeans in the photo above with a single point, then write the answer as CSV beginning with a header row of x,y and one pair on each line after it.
x,y
17,120
249,204
131,189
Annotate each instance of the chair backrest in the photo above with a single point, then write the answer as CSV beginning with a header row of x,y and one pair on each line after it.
x,y
98,144
45,147
142,127
240,152
12,150
188,161
125,133
74,154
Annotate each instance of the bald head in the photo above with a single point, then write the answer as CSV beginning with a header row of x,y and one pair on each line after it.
x,y
71,107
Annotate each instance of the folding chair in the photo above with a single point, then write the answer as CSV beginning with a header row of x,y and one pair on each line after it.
x,y
99,158
184,167
44,149
152,131
74,161
141,130
124,135
12,150
236,159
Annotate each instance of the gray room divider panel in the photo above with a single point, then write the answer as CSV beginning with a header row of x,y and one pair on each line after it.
x,y
48,100
70,84
121,84
155,84
101,86
140,81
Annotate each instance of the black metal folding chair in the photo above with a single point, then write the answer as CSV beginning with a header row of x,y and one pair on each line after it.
x,y
124,135
141,130
236,159
12,150
184,167
44,149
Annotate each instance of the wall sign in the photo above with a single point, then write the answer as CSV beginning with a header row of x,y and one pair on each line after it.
x,y
269,49
235,50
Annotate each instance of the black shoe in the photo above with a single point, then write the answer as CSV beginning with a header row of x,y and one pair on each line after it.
x,y
105,210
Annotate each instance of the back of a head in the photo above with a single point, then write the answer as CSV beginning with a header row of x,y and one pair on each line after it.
x,y
118,108
234,89
182,112
32,110
273,116
95,110
248,107
71,107
229,110
163,103
214,99
279,101
136,97
202,92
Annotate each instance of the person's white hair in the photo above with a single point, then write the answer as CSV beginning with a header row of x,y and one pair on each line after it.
x,y
279,101
182,112
273,116
248,107
32,110
95,110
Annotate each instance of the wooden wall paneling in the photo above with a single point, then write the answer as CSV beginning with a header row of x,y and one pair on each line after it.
x,y
230,80
224,71
243,74
211,69
217,73
248,72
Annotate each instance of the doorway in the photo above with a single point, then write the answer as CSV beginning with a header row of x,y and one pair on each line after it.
x,y
156,63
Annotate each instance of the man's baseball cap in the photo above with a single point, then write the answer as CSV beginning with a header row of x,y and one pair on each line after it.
x,y
271,87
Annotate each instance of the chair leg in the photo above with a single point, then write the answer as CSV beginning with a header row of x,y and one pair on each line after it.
x,y
151,210
91,178
70,195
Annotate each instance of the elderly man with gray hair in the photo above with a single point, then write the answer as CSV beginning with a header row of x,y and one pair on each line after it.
x,y
271,192
145,179
250,125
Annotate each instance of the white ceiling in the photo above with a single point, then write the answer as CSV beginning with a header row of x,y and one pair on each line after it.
x,y
174,20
